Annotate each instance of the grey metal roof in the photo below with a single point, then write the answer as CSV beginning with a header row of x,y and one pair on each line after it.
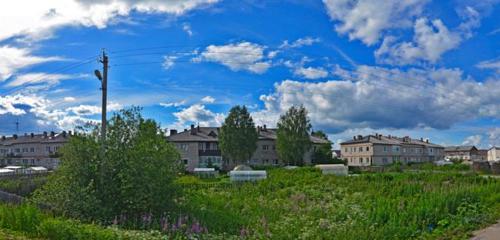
x,y
390,140
35,138
459,148
210,134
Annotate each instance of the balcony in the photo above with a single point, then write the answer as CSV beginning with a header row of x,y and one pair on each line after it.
x,y
209,153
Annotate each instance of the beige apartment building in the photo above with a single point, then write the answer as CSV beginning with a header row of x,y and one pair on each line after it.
x,y
494,154
379,150
199,147
32,149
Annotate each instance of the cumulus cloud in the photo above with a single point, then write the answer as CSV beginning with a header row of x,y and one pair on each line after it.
x,y
237,56
429,43
366,20
197,113
311,72
40,19
375,97
12,59
208,99
69,99
473,140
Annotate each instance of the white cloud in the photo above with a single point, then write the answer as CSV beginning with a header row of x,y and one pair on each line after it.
x,y
307,41
366,20
311,72
187,28
238,56
36,78
208,99
69,99
474,140
494,137
85,110
169,61
197,113
38,19
173,104
493,64
12,59
430,42
374,97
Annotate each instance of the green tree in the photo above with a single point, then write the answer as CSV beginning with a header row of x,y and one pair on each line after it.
x,y
132,177
238,136
293,136
323,152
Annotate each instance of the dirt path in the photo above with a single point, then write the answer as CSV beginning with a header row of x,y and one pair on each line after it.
x,y
490,233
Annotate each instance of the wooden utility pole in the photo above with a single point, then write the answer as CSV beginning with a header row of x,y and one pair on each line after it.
x,y
104,88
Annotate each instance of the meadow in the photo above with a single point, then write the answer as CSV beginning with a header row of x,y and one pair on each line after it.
x,y
300,204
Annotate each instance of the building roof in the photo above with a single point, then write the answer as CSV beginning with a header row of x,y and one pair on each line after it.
x,y
45,137
459,148
494,147
210,134
390,140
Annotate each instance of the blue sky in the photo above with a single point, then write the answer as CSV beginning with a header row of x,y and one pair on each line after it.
x,y
427,69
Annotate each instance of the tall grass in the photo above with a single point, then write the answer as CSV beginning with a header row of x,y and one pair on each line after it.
x,y
303,204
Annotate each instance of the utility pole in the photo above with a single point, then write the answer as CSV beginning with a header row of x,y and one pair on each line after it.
x,y
104,87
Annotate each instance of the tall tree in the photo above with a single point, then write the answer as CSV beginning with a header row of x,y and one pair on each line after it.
x,y
293,135
322,153
238,136
134,176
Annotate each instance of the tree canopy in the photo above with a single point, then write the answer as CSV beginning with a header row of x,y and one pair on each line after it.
x,y
322,153
293,136
133,176
238,136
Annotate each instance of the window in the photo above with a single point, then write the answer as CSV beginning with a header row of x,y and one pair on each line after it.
x,y
354,149
395,148
276,161
367,149
32,149
360,149
25,150
274,147
385,148
265,147
360,160
18,150
185,161
184,146
47,148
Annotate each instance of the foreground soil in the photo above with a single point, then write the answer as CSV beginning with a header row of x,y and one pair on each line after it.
x,y
490,233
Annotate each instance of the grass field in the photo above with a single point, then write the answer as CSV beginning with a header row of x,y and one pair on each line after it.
x,y
303,204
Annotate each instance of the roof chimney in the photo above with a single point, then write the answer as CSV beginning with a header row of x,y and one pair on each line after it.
x,y
52,133
64,133
354,137
69,133
427,140
15,136
198,128
193,131
265,127
173,132
3,138
32,135
44,134
421,139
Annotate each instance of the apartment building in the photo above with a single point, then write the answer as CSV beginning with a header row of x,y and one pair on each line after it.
x,y
379,150
464,153
199,147
494,154
32,149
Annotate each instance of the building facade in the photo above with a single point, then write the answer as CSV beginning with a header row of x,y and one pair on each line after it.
x,y
379,150
494,154
464,153
32,149
199,147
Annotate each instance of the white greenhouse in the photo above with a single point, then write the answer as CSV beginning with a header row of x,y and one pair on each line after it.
x,y
335,169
